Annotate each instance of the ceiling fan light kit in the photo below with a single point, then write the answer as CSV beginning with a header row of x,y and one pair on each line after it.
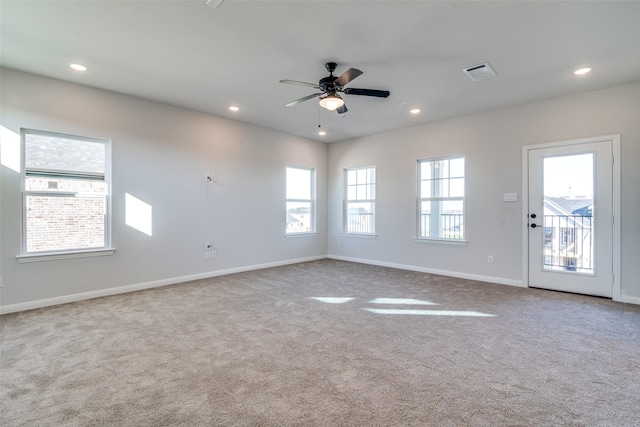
x,y
331,102
330,86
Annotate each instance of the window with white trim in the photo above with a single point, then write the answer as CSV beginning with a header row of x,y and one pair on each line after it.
x,y
300,204
360,200
66,193
441,198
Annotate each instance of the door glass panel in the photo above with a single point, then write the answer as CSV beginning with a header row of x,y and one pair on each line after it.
x,y
569,216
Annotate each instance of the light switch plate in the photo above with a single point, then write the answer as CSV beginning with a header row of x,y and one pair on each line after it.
x,y
510,197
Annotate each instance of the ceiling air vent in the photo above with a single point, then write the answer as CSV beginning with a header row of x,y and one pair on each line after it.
x,y
480,72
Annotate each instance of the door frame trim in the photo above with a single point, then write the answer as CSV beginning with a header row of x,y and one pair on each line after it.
x,y
615,193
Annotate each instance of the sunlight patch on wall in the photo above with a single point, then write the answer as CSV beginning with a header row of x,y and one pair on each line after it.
x,y
10,149
332,300
428,312
410,301
138,214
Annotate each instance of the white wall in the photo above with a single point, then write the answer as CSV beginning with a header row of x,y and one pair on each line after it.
x,y
492,145
160,155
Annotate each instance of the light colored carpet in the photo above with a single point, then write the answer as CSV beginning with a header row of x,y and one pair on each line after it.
x,y
256,349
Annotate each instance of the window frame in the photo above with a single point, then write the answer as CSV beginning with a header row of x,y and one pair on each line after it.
x,y
311,201
48,255
439,198
347,201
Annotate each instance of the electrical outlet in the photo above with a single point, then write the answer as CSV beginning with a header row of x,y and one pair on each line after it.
x,y
489,259
214,254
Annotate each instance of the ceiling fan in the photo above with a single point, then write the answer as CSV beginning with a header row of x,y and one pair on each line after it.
x,y
331,85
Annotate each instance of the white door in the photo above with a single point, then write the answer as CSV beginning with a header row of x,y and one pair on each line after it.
x,y
570,217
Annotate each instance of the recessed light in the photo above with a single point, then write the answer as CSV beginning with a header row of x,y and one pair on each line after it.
x,y
322,133
415,111
582,71
78,67
234,108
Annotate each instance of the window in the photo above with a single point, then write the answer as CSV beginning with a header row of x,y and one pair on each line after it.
x,y
300,200
66,193
441,198
360,203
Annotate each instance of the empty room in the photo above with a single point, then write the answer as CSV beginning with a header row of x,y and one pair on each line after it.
x,y
319,213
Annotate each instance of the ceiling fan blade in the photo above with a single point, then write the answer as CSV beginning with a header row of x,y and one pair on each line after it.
x,y
295,82
367,92
342,109
347,76
306,98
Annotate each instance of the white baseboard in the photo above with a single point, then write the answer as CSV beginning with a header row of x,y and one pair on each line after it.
x,y
630,300
490,279
32,305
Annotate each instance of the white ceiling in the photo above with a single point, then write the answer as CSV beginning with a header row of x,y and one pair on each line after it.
x,y
192,55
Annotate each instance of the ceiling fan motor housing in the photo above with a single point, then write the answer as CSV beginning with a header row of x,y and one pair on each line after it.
x,y
327,84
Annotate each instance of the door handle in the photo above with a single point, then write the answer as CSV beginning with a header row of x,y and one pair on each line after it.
x,y
534,225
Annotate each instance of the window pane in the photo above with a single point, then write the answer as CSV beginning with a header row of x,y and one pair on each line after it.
x,y
65,222
66,200
452,207
299,183
359,217
457,187
424,226
361,192
425,189
351,177
441,218
371,191
451,220
437,168
351,192
457,167
425,170
444,168
50,152
299,217
570,227
442,188
371,172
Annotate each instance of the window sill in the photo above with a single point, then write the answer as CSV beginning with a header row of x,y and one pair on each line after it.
x,y
304,234
439,241
363,235
50,256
